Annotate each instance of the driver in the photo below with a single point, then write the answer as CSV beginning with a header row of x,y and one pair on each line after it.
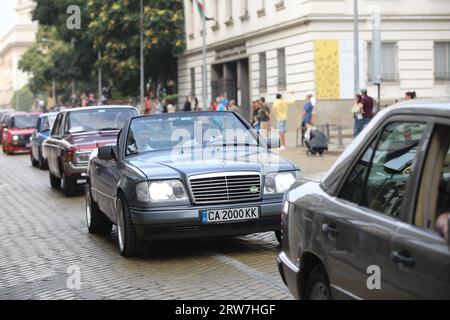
x,y
142,136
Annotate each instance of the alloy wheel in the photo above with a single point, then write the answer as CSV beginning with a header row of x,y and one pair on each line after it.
x,y
120,226
320,292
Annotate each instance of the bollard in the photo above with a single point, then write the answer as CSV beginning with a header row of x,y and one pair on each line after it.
x,y
340,138
328,132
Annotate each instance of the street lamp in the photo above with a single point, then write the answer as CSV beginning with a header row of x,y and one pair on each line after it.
x,y
142,53
356,44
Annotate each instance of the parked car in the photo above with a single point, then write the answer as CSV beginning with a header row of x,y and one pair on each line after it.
x,y
17,132
76,132
40,134
4,116
376,226
164,179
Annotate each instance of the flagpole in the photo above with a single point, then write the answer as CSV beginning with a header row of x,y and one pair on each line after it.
x,y
205,63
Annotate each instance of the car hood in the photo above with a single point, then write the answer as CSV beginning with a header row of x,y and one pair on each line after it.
x,y
171,164
92,140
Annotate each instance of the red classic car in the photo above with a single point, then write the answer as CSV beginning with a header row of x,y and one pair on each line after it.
x,y
17,132
75,134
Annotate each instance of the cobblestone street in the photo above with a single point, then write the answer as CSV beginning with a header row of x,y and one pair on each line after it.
x,y
44,235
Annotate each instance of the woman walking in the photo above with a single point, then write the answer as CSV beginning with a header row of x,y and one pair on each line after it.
x,y
358,112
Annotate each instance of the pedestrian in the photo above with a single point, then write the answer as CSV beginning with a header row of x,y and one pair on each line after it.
x,y
224,101
215,104
84,99
148,107
164,108
264,115
187,105
196,104
234,107
280,110
256,107
308,109
368,105
410,95
357,110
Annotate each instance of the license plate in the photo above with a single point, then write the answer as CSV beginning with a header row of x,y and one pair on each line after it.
x,y
229,215
28,145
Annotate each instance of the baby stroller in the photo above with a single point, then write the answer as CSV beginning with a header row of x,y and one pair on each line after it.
x,y
316,141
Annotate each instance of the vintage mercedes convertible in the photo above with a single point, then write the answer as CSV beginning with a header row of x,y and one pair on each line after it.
x,y
186,175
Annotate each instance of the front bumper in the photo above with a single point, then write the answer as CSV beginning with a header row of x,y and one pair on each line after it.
x,y
74,172
18,147
185,222
290,273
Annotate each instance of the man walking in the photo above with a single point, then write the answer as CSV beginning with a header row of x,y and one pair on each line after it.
x,y
280,110
368,104
264,116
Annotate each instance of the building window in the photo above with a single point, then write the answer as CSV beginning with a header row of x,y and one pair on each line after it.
x,y
280,5
190,19
262,72
389,61
281,57
442,60
244,10
192,82
229,12
262,8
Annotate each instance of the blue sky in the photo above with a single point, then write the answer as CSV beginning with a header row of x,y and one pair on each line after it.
x,y
8,15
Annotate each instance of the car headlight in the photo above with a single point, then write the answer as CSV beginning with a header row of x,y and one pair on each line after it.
x,y
15,138
280,182
161,191
81,157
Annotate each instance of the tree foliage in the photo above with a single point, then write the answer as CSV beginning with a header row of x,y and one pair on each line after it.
x,y
111,27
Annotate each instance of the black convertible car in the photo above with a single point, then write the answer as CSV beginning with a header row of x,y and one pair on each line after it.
x,y
186,175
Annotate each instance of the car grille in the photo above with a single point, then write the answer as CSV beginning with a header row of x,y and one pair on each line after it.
x,y
226,187
24,139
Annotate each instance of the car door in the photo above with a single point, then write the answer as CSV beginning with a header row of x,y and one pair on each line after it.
x,y
52,149
105,184
35,140
358,227
420,253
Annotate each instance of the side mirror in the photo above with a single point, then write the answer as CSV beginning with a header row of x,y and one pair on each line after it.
x,y
272,142
107,153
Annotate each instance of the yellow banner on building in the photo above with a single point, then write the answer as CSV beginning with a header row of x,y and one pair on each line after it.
x,y
326,65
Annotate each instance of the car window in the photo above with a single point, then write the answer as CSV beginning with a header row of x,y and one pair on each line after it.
x,y
56,128
433,201
97,119
379,179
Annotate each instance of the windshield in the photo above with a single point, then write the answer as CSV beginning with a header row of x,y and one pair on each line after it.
x,y
47,122
98,120
159,133
24,122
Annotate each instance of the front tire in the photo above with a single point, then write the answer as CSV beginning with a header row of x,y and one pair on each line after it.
x,y
55,182
96,221
318,287
34,163
69,186
128,241
42,163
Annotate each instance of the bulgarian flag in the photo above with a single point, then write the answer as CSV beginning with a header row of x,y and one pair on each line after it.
x,y
201,10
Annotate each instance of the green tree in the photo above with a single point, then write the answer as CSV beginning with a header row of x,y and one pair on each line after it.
x,y
22,99
114,29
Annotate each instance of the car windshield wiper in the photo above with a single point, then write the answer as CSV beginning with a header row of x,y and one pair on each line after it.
x,y
108,129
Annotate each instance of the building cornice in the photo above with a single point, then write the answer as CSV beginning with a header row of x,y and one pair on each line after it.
x,y
304,21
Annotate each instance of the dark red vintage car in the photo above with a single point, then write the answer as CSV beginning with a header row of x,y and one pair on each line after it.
x,y
75,134
17,132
